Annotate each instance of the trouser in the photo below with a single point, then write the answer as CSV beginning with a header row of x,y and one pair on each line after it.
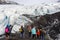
x,y
29,34
7,34
38,36
21,35
33,35
42,37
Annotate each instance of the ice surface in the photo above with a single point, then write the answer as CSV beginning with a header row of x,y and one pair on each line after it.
x,y
3,23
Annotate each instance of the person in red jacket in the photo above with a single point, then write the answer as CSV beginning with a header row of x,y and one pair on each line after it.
x,y
38,33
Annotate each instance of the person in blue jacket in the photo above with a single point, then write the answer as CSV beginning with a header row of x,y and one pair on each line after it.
x,y
33,32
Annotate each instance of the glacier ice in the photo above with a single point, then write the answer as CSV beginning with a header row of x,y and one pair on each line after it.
x,y
13,14
3,23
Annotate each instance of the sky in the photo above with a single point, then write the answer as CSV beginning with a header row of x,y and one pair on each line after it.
x,y
32,2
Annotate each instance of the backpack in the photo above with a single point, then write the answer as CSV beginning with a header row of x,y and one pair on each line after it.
x,y
21,30
6,30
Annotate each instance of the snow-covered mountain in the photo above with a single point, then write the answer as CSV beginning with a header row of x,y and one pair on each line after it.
x,y
7,2
13,14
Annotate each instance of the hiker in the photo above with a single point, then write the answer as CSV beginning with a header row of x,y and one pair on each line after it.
x,y
10,28
43,32
7,33
21,32
29,30
33,31
38,33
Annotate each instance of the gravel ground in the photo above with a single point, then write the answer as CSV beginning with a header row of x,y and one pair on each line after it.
x,y
16,36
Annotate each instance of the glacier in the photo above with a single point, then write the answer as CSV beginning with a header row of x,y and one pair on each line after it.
x,y
13,14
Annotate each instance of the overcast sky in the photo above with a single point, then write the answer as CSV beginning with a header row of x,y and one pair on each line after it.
x,y
31,2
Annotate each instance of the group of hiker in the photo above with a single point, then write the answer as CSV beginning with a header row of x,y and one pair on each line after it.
x,y
8,31
33,32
